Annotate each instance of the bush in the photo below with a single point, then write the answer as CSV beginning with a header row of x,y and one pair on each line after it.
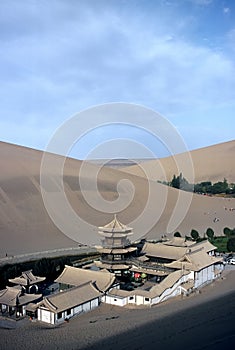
x,y
210,233
231,244
194,235
227,231
177,234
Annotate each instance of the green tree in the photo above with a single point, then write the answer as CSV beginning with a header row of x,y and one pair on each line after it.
x,y
194,235
177,234
210,233
175,182
231,244
227,231
220,187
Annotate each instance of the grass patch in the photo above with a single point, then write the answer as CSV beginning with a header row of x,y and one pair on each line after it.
x,y
221,243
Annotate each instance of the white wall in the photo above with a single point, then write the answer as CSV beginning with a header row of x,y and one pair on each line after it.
x,y
46,316
114,300
52,318
204,276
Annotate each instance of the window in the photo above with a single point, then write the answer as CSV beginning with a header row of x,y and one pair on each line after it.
x,y
115,299
59,315
131,298
146,299
69,312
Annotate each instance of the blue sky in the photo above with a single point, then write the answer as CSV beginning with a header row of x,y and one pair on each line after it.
x,y
60,57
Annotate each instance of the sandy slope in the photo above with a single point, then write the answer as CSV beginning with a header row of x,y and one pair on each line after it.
x,y
25,225
212,163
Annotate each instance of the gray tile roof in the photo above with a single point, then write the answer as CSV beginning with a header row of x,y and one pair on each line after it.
x,y
70,298
27,278
75,276
10,295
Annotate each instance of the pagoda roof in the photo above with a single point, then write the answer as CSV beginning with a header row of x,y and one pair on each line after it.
x,y
117,250
27,278
115,226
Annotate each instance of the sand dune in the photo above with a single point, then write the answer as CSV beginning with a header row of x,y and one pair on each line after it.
x,y
212,163
26,227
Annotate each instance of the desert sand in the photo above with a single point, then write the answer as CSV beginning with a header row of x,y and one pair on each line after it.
x,y
26,227
213,163
200,321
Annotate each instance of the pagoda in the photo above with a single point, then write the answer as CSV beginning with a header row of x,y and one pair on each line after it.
x,y
116,249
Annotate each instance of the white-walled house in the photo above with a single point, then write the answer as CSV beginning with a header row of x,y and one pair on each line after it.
x,y
170,287
59,307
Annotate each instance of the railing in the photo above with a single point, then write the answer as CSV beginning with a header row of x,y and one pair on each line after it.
x,y
112,262
149,265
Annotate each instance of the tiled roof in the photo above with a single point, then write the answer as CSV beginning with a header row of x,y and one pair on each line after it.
x,y
179,242
168,282
10,295
195,261
112,266
75,276
160,250
117,251
204,244
70,298
115,226
27,278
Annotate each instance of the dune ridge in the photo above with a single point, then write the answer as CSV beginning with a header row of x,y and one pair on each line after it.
x,y
212,163
26,227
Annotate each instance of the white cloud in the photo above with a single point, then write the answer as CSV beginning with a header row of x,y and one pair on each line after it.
x,y
226,10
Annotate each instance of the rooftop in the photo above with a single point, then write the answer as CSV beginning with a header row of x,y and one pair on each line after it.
x,y
70,298
75,276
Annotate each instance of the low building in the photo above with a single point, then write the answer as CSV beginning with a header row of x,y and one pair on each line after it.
x,y
13,301
202,266
59,307
170,287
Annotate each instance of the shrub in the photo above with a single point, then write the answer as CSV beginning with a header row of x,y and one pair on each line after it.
x,y
194,235
231,244
177,234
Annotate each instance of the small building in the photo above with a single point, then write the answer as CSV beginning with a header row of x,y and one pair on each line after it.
x,y
28,281
59,307
13,301
116,250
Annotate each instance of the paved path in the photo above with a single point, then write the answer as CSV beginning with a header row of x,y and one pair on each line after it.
x,y
47,254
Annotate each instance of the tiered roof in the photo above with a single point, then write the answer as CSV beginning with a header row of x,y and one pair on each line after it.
x,y
115,227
